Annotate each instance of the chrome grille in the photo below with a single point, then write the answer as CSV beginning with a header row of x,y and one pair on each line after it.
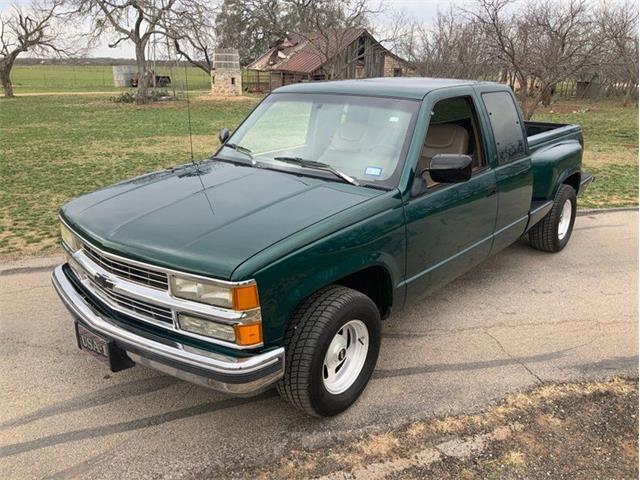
x,y
135,273
132,305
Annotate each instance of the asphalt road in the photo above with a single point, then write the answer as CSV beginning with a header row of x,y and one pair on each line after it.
x,y
522,318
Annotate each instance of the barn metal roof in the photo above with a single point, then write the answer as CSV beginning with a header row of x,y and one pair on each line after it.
x,y
306,53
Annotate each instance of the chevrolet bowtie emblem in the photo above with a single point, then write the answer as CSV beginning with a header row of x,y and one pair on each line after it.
x,y
103,281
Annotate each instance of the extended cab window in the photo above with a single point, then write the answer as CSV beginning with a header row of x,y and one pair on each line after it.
x,y
506,126
453,128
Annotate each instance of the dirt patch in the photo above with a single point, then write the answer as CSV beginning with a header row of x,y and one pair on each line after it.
x,y
619,157
48,248
63,94
578,430
207,97
580,106
159,145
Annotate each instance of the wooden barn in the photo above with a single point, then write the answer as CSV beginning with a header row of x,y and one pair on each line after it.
x,y
328,55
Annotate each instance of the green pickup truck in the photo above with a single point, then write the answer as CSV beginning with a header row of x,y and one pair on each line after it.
x,y
330,207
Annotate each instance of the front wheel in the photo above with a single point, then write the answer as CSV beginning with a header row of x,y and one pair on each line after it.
x,y
332,346
552,233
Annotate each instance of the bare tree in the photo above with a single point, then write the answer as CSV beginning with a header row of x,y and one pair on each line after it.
x,y
618,24
539,44
509,40
567,44
251,26
28,29
191,29
134,21
452,47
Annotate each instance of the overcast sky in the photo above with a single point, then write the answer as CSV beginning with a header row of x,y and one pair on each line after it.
x,y
424,10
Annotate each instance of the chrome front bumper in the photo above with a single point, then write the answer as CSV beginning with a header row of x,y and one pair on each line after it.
x,y
239,376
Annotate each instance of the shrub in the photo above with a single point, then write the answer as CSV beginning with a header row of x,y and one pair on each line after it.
x,y
153,95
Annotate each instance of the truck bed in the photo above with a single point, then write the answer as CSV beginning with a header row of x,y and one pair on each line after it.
x,y
535,128
556,154
540,134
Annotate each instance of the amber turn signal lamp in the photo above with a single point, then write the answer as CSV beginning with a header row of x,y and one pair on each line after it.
x,y
248,334
245,298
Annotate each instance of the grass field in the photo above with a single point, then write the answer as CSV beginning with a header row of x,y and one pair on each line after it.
x,y
92,78
611,149
53,148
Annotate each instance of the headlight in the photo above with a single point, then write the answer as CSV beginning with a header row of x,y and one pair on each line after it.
x,y
238,298
69,238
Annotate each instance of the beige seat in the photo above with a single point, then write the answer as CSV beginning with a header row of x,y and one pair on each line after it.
x,y
350,135
348,141
444,138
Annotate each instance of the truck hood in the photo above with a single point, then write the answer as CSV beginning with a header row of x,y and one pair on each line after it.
x,y
206,220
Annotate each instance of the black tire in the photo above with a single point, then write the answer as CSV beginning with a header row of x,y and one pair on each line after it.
x,y
312,328
544,234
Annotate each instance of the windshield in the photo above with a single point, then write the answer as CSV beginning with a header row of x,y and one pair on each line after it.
x,y
364,138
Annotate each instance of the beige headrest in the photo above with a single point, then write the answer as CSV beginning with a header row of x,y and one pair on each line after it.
x,y
445,138
350,134
448,138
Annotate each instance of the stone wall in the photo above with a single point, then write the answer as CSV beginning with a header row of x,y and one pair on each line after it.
x,y
226,83
391,63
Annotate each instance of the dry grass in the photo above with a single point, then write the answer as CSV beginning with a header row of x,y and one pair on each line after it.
x,y
518,438
378,445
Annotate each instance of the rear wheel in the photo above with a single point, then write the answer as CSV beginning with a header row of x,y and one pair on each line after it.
x,y
332,346
552,233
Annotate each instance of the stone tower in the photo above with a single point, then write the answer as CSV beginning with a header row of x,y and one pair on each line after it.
x,y
226,77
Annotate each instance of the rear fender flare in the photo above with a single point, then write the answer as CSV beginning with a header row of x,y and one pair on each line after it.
x,y
552,166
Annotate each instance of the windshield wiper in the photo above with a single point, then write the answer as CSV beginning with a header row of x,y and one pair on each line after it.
x,y
241,149
318,166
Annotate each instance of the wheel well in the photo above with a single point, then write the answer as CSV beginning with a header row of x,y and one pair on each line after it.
x,y
374,282
573,180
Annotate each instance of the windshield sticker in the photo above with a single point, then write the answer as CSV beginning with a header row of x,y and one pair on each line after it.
x,y
373,171
394,119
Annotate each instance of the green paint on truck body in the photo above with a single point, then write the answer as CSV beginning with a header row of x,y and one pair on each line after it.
x,y
296,233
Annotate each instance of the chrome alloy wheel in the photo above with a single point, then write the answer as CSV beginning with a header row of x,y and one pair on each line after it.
x,y
345,357
565,219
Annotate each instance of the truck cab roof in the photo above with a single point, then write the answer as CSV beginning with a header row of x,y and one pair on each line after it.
x,y
400,87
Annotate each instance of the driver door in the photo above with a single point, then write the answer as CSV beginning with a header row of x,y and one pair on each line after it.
x,y
450,226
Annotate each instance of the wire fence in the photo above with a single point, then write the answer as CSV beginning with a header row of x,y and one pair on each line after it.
x,y
595,89
99,78
87,78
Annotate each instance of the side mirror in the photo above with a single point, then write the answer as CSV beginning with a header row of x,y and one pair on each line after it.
x,y
450,168
224,135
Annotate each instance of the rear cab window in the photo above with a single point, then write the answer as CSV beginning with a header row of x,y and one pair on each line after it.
x,y
506,126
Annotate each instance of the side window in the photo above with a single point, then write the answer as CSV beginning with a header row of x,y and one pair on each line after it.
x,y
506,126
453,128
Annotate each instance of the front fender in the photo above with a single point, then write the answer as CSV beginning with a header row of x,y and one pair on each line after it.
x,y
377,240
